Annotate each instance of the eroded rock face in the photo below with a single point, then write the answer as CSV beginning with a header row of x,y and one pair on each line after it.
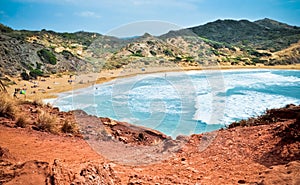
x,y
59,173
30,172
86,173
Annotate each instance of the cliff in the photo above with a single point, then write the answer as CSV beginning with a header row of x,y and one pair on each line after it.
x,y
80,149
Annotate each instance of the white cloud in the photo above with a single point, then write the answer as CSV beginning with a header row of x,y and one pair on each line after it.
x,y
88,14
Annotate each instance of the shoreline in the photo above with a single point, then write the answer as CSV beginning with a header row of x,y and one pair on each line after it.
x,y
48,88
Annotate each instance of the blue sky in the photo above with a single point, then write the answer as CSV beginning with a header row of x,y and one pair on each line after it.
x,y
103,16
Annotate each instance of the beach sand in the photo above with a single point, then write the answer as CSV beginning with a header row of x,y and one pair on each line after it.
x,y
44,88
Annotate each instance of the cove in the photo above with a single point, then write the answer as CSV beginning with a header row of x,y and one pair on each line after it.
x,y
183,103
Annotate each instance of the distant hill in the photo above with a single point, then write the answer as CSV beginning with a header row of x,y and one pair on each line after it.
x,y
222,42
265,34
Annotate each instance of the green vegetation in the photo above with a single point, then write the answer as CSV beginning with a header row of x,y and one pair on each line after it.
x,y
263,34
138,53
24,76
67,54
35,73
153,53
168,52
47,56
5,29
234,42
189,58
38,65
254,52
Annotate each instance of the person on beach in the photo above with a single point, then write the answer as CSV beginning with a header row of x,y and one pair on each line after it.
x,y
15,93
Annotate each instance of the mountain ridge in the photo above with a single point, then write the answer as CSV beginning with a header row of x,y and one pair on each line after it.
x,y
222,42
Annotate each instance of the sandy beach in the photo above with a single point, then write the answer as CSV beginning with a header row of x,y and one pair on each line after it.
x,y
44,88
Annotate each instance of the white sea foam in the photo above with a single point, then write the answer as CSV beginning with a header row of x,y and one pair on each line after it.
x,y
212,97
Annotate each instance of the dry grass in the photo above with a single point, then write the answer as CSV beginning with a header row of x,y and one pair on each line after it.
x,y
38,102
69,127
8,106
156,142
21,121
47,122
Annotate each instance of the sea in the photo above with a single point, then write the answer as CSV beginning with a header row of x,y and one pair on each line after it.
x,y
185,103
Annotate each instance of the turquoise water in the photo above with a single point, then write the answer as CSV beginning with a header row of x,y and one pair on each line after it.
x,y
187,102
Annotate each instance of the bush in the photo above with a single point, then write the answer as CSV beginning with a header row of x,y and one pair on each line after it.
x,y
168,53
67,54
46,122
153,53
8,108
69,127
37,101
138,53
38,65
21,122
189,58
35,73
24,76
5,29
47,56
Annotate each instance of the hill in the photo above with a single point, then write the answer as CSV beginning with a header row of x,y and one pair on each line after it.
x,y
222,42
265,34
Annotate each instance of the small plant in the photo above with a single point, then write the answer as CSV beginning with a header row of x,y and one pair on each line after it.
x,y
24,76
168,53
46,122
47,56
37,102
69,127
67,54
35,73
8,107
138,54
21,122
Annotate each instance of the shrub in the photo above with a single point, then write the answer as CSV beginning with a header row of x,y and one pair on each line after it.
x,y
38,102
35,73
8,107
38,65
168,53
138,53
47,56
69,127
67,54
21,122
153,53
5,29
46,122
189,58
24,76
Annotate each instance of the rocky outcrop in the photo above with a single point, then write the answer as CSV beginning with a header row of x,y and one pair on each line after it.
x,y
39,172
18,55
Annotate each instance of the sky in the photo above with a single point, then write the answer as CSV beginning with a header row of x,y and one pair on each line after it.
x,y
134,17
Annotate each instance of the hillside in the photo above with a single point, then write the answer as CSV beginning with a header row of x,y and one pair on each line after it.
x,y
263,34
223,42
41,145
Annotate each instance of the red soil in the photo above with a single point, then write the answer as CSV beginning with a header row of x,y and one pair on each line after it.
x,y
268,153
